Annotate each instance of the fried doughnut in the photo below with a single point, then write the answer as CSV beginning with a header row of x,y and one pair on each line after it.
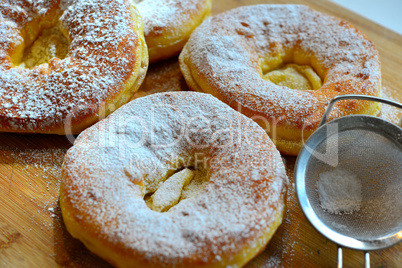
x,y
231,54
162,76
169,23
65,64
174,180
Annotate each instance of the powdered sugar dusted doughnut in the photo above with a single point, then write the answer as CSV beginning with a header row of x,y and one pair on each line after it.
x,y
169,23
231,54
66,63
174,179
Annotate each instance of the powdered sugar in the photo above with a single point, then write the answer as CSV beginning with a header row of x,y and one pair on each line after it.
x,y
95,70
232,211
339,191
161,15
44,161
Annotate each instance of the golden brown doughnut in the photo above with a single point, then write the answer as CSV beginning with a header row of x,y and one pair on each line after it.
x,y
231,54
169,23
162,76
65,64
214,173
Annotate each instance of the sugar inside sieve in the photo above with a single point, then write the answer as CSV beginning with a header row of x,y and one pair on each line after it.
x,y
362,157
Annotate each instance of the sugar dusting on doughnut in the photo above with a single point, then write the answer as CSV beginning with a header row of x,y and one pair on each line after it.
x,y
227,55
156,14
213,53
167,13
230,213
169,23
97,67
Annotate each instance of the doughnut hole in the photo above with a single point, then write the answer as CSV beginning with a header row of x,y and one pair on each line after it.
x,y
50,43
42,39
291,68
174,187
301,77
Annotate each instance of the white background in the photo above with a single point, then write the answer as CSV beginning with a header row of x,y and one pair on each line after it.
x,y
387,13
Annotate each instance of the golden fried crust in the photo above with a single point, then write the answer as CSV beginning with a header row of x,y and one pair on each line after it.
x,y
169,23
106,63
228,55
228,222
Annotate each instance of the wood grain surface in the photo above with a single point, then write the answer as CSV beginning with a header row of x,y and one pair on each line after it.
x,y
32,233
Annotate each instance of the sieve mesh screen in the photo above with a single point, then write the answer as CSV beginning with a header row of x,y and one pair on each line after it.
x,y
376,160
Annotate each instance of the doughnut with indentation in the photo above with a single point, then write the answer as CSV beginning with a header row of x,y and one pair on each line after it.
x,y
174,180
99,64
230,54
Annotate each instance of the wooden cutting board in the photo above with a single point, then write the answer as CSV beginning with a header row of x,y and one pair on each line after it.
x,y
32,233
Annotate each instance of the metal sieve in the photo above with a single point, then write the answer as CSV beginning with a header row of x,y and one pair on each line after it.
x,y
371,149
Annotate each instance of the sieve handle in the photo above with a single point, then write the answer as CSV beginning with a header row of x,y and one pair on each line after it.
x,y
366,259
357,97
340,258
